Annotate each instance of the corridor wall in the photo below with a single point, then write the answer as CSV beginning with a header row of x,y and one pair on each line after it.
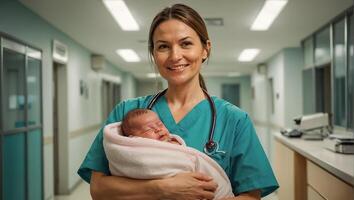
x,y
83,113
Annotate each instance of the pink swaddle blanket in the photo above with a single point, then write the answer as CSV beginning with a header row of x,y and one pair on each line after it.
x,y
143,158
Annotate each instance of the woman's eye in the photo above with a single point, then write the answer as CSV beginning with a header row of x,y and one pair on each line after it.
x,y
162,46
186,44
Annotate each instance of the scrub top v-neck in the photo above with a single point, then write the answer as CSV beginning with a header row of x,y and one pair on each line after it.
x,y
244,160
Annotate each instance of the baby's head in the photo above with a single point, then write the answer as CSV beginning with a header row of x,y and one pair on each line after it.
x,y
144,123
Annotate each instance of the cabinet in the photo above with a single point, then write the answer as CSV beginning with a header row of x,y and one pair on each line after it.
x,y
302,179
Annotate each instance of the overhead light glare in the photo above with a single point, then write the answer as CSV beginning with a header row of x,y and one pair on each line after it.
x,y
128,55
121,14
153,75
247,55
268,14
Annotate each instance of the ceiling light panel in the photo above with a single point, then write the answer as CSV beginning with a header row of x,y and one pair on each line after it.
x,y
247,55
121,14
128,55
268,14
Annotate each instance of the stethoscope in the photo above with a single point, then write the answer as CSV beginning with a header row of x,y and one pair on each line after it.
x,y
211,147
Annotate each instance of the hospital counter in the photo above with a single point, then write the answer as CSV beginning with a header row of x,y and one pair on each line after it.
x,y
306,170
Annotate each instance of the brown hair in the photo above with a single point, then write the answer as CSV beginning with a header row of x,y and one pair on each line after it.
x,y
188,16
126,126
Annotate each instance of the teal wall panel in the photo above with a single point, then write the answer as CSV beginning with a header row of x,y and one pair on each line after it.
x,y
14,167
34,163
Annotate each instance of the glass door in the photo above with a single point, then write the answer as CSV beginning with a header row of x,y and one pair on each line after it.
x,y
21,124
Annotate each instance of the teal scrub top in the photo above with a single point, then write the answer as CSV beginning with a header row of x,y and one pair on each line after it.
x,y
244,162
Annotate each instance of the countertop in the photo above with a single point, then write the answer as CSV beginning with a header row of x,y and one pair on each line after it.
x,y
340,165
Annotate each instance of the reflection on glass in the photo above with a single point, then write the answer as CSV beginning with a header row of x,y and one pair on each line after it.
x,y
351,72
339,76
322,50
308,52
14,88
33,92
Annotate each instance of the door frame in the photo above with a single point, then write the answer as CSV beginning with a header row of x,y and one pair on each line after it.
x,y
27,48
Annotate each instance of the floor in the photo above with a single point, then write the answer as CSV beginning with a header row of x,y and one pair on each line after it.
x,y
82,192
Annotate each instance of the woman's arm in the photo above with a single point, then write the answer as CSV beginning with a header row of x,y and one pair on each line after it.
x,y
252,195
182,186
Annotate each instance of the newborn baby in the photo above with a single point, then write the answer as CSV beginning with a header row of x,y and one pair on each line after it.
x,y
145,123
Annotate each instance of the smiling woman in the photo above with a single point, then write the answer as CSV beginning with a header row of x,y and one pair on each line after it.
x,y
178,45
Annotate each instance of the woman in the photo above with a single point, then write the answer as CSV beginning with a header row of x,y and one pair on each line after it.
x,y
179,44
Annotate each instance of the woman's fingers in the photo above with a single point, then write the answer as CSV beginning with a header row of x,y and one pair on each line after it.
x,y
210,186
201,177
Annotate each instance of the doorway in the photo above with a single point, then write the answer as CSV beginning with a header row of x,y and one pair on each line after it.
x,y
111,95
21,146
60,129
231,93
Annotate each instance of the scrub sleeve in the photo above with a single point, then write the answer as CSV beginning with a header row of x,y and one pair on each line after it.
x,y
250,167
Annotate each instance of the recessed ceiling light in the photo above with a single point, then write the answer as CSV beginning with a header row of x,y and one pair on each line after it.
x,y
121,14
129,55
247,55
267,15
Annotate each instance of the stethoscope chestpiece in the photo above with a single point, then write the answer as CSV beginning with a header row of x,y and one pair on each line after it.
x,y
212,148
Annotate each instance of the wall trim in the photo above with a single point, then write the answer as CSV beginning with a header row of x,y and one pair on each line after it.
x,y
272,126
84,131
74,134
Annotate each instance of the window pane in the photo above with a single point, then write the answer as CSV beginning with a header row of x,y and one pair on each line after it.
x,y
33,91
308,89
339,76
322,51
14,99
308,52
351,71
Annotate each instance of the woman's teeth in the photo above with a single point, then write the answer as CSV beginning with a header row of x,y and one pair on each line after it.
x,y
177,67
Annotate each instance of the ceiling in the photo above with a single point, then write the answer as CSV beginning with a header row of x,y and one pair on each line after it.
x,y
90,24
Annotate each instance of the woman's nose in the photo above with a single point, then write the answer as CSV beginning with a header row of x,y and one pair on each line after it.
x,y
176,54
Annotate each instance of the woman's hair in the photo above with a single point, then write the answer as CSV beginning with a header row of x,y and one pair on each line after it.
x,y
188,16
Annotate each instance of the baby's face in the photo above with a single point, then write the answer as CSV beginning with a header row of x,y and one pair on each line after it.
x,y
149,126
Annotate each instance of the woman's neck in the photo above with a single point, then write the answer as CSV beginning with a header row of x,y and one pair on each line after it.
x,y
182,96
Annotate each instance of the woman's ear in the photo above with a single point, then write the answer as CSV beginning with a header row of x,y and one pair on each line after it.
x,y
206,51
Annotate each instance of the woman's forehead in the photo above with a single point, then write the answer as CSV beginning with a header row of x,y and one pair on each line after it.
x,y
173,29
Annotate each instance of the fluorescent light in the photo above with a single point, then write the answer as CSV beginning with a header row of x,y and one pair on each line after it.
x,y
128,55
153,75
267,15
248,55
121,14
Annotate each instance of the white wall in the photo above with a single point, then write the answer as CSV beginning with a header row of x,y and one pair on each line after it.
x,y
214,88
144,88
276,71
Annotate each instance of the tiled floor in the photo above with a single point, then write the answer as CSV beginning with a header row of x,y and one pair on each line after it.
x,y
82,192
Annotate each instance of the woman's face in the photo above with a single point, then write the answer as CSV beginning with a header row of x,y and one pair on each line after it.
x,y
178,52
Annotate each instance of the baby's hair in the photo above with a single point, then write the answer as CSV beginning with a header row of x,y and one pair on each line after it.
x,y
131,115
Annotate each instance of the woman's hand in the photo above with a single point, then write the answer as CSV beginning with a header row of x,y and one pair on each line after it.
x,y
188,186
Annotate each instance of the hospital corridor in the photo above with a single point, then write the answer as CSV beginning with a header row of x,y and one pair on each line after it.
x,y
267,89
